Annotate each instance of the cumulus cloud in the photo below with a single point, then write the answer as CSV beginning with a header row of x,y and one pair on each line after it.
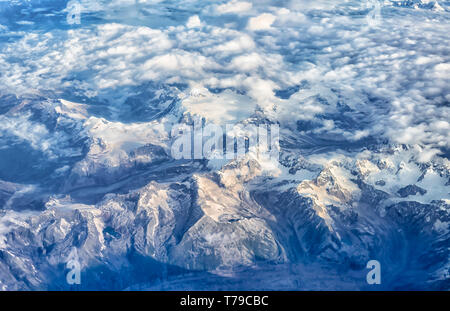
x,y
305,66
261,22
194,22
235,7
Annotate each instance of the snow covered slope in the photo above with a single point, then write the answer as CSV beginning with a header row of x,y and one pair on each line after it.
x,y
87,113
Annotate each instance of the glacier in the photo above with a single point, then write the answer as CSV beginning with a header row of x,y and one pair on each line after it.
x,y
86,117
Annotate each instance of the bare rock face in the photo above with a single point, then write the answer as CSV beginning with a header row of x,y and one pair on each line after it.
x,y
411,190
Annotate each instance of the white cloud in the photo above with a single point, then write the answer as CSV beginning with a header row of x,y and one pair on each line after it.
x,y
261,22
247,62
234,7
394,80
194,22
241,44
